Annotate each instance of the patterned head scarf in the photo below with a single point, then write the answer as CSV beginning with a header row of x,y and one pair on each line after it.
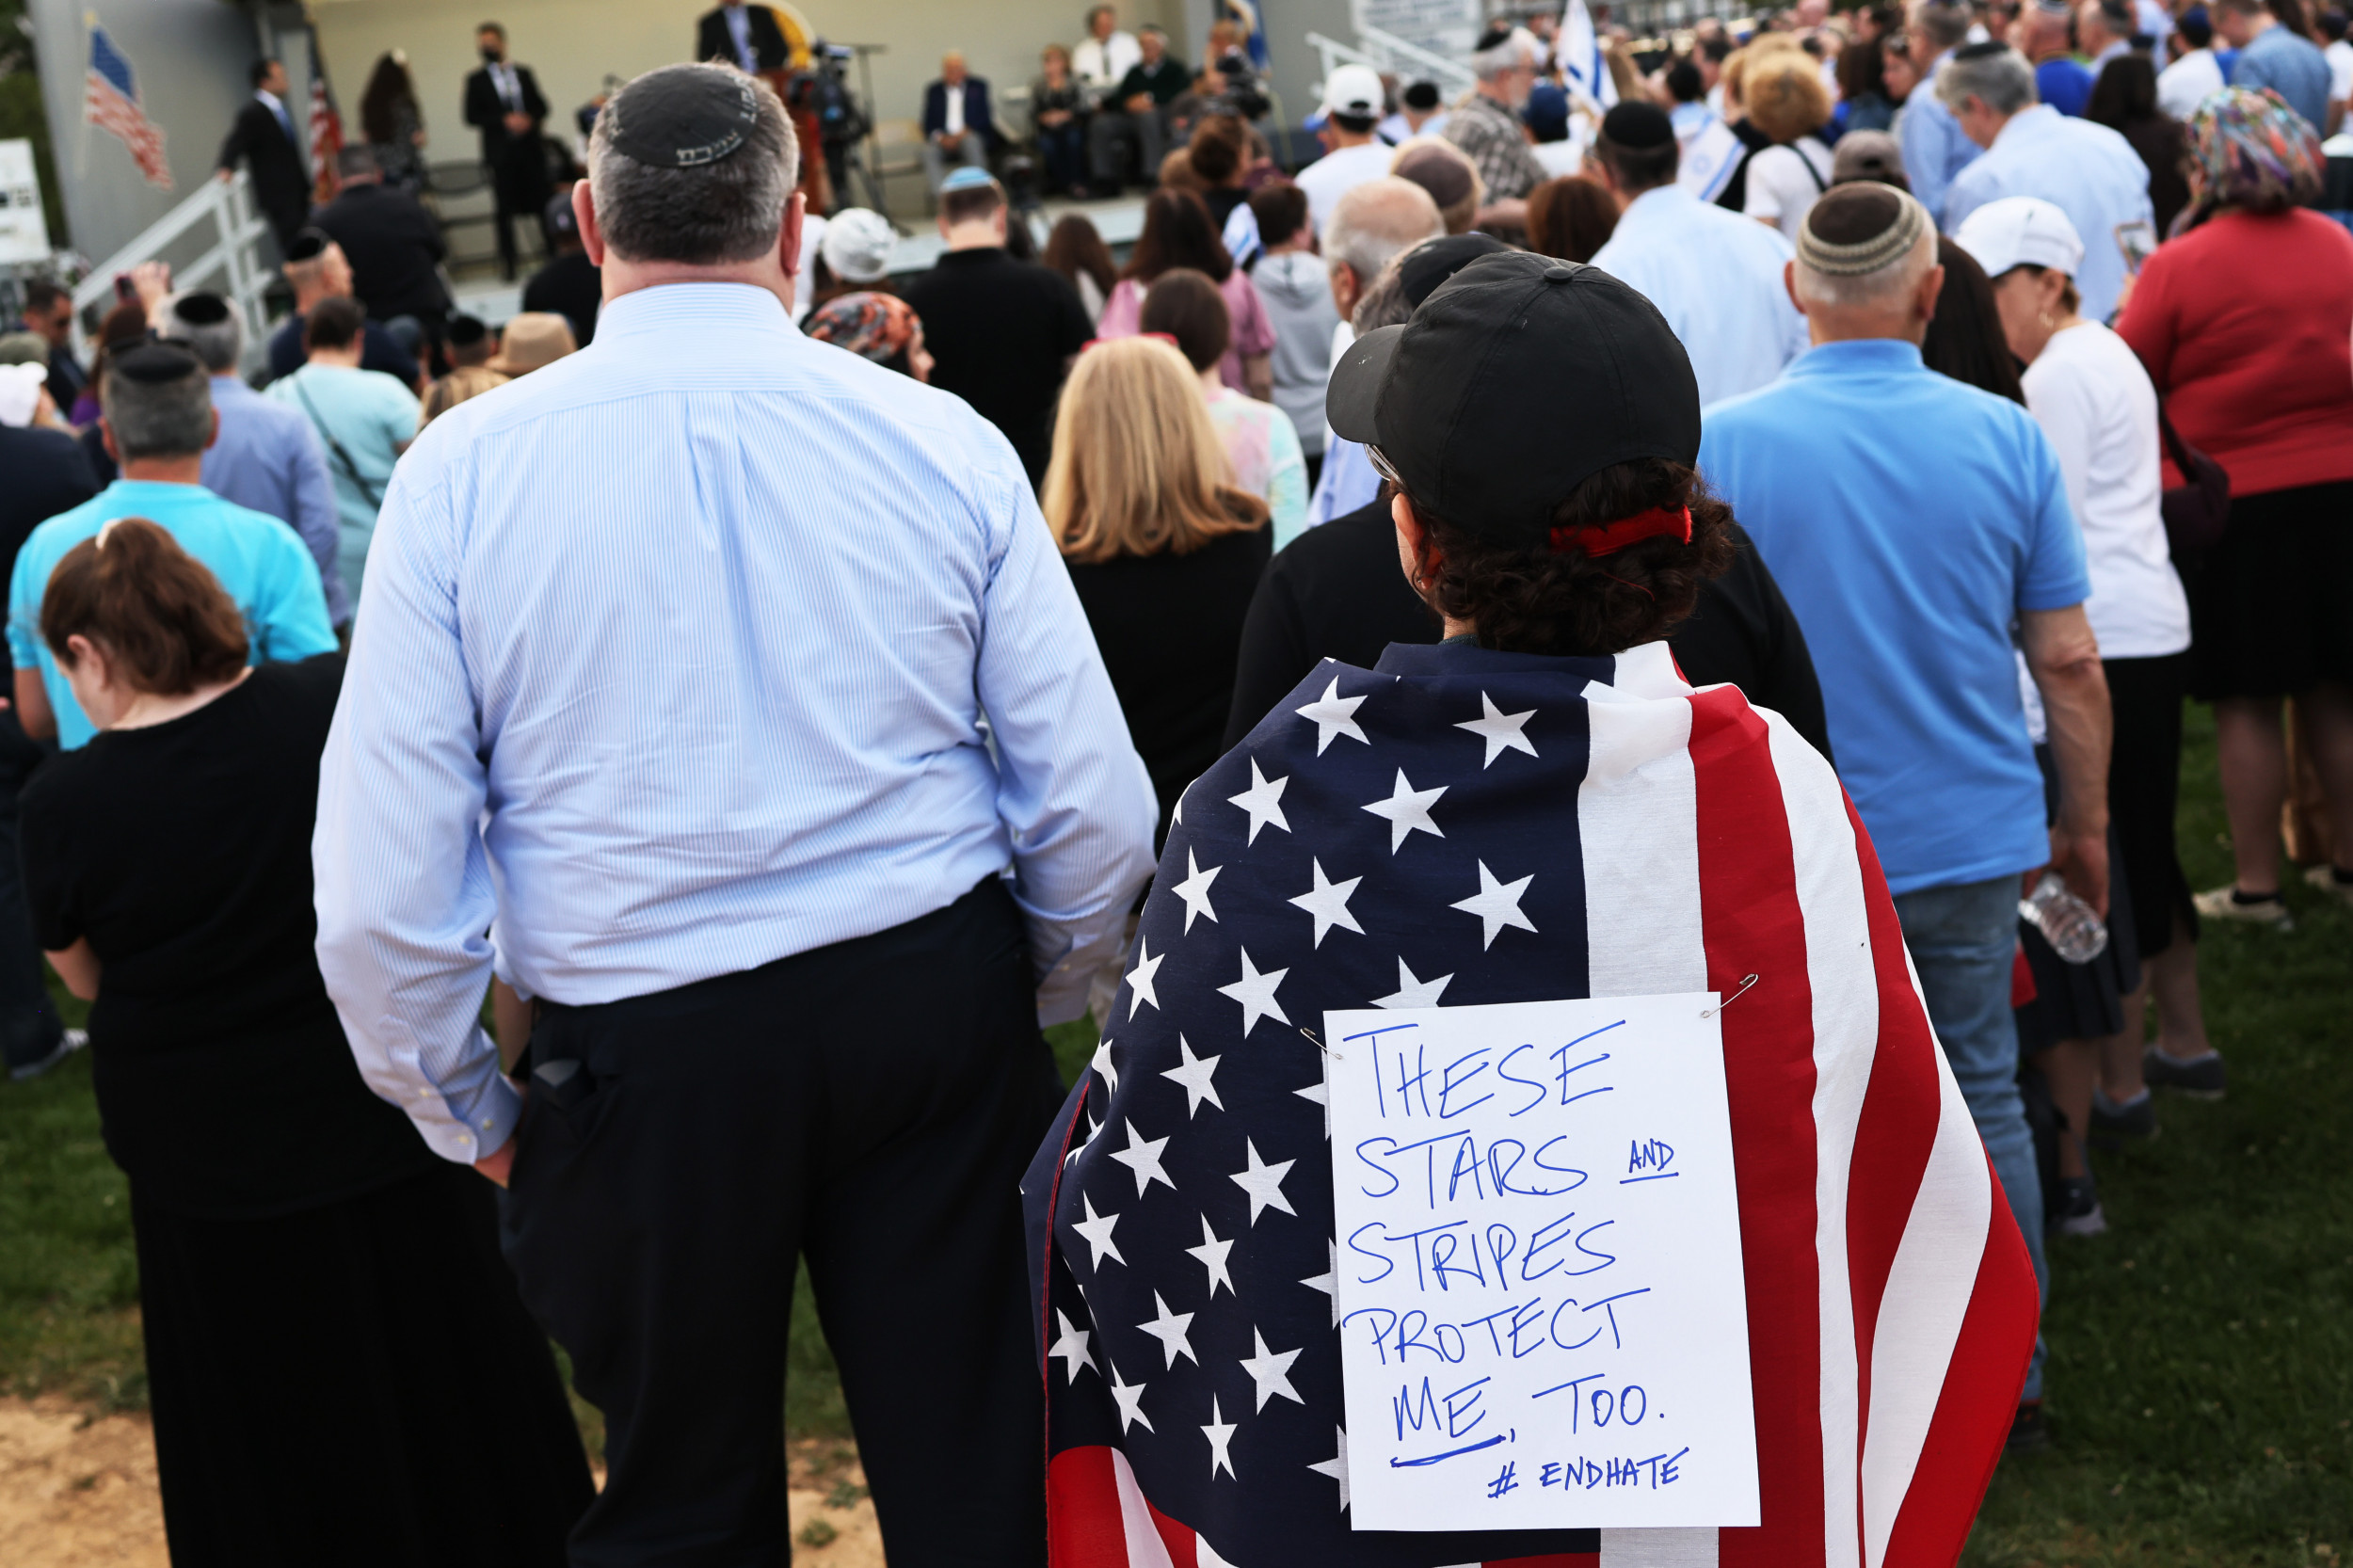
x,y
876,326
2249,151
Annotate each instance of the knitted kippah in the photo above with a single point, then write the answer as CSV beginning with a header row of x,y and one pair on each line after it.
x,y
1858,229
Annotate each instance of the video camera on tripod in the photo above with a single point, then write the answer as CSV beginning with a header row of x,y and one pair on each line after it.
x,y
823,92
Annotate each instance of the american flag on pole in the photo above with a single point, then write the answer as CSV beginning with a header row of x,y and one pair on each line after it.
x,y
110,101
1469,826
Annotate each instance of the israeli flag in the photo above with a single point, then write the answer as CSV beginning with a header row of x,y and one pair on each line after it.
x,y
1578,49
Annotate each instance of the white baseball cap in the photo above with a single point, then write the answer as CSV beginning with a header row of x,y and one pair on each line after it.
x,y
857,245
2019,230
1355,92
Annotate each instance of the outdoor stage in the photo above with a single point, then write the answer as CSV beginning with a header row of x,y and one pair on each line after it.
x,y
1119,222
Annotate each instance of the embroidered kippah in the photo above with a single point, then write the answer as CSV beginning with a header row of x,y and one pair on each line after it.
x,y
1859,229
684,116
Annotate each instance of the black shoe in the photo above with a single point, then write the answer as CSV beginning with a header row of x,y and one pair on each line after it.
x,y
2201,1075
2028,1434
2078,1212
68,1043
2133,1121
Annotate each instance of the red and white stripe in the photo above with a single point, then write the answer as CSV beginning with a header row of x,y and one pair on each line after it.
x,y
1890,1305
105,108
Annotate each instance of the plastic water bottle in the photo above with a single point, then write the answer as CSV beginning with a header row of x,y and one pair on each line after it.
x,y
2066,921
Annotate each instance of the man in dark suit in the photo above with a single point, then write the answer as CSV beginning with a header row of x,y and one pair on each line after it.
x,y
393,244
956,123
752,36
502,101
265,137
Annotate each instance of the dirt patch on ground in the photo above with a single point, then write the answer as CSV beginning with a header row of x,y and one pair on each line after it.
x,y
79,1490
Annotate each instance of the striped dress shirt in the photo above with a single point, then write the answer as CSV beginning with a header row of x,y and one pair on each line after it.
x,y
704,646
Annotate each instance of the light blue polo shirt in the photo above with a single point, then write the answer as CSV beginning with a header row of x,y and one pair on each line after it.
x,y
1908,519
259,560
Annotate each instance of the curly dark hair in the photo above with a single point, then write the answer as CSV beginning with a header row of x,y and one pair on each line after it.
x,y
1534,600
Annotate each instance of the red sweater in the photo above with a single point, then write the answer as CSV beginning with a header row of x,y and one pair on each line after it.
x,y
2246,324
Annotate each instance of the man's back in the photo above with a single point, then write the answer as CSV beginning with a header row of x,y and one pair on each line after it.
x,y
760,733
1906,561
47,474
2290,65
393,246
2085,170
267,460
1001,331
1717,277
257,558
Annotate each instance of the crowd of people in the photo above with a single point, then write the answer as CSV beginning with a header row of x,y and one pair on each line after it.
x,y
1844,440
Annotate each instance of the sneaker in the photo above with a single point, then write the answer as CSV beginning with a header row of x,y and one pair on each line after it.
x,y
2115,1121
68,1043
2079,1207
2201,1075
2336,884
2027,1434
2226,903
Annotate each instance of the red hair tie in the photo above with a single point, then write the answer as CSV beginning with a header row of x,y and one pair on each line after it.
x,y
1609,538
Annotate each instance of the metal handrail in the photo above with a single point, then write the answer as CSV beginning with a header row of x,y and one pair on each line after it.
x,y
1386,52
234,255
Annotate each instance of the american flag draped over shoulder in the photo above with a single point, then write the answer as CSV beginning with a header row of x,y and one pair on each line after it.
x,y
1466,826
110,101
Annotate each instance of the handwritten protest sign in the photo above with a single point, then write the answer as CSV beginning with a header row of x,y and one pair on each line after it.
x,y
1544,1322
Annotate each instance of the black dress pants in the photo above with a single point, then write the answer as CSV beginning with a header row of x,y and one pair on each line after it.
x,y
872,1104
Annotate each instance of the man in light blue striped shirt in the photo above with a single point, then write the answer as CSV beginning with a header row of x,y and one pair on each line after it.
x,y
733,686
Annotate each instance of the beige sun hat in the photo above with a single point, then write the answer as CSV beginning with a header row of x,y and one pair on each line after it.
x,y
532,339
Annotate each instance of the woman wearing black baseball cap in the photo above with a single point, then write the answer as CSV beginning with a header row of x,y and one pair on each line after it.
x,y
1539,808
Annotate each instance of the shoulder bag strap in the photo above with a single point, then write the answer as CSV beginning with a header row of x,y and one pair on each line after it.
x,y
351,470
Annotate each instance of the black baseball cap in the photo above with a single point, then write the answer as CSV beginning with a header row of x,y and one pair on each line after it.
x,y
1517,380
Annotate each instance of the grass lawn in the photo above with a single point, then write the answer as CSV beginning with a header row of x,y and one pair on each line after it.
x,y
2201,1352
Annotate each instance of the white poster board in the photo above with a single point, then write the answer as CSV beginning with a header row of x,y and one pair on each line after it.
x,y
1544,1320
24,232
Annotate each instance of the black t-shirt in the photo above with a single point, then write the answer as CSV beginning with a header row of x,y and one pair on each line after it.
x,y
1336,592
569,286
183,853
1169,627
1000,332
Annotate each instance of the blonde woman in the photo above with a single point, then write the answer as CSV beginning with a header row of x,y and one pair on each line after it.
x,y
1164,547
1787,102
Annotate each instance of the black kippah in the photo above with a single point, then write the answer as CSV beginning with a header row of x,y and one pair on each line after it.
x,y
307,244
1636,125
1496,32
154,364
680,116
200,310
465,331
1985,51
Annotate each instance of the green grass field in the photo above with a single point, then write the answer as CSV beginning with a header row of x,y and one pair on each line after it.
x,y
2202,1375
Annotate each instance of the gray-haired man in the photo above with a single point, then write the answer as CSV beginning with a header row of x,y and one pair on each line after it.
x,y
693,727
1486,125
265,456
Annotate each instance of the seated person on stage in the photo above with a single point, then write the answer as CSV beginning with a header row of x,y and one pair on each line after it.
x,y
1579,822
956,123
1137,115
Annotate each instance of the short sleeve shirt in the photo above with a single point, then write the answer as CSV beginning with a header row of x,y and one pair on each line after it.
x,y
258,559
1908,578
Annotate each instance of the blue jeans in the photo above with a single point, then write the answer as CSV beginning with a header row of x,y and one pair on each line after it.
x,y
1962,940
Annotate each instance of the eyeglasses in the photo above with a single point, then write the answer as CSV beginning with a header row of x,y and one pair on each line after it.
x,y
1382,466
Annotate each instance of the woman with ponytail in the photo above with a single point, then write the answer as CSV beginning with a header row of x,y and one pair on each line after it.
x,y
339,1366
